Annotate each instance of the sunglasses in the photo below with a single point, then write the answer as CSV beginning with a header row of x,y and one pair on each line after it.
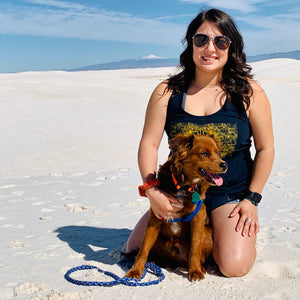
x,y
221,42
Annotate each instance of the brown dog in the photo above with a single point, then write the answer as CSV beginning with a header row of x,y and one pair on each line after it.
x,y
192,167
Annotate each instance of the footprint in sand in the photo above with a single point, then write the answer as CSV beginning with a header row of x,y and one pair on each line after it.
x,y
76,256
102,178
7,225
75,207
292,195
17,226
95,184
272,269
77,174
288,229
47,209
17,194
283,174
45,256
98,212
42,183
8,186
133,187
17,244
38,203
266,233
45,218
27,288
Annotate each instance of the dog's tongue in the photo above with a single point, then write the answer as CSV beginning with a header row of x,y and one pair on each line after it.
x,y
218,180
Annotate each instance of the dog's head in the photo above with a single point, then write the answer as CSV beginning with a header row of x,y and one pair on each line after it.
x,y
196,159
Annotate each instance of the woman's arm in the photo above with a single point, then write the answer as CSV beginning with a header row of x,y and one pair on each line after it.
x,y
161,203
261,124
153,131
262,129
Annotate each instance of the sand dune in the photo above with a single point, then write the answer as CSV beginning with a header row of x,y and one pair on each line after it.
x,y
69,177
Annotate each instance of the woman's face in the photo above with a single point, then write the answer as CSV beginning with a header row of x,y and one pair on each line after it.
x,y
209,58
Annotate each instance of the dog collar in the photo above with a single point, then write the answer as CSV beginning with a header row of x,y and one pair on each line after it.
x,y
189,217
180,187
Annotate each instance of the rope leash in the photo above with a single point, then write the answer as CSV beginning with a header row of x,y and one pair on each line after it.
x,y
118,280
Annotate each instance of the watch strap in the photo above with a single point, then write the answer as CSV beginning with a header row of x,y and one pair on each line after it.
x,y
253,197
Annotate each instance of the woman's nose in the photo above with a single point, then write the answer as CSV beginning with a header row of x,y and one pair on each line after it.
x,y
211,44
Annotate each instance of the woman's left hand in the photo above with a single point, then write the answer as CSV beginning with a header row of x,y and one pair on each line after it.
x,y
248,218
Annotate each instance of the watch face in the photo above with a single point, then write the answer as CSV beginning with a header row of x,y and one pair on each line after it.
x,y
255,197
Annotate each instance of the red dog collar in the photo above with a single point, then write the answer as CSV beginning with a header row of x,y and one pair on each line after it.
x,y
147,185
178,186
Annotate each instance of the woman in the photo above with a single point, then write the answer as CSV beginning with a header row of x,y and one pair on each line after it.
x,y
214,94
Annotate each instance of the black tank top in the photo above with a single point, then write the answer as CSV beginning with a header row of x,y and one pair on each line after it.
x,y
232,129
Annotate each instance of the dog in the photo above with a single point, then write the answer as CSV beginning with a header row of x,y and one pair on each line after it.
x,y
191,168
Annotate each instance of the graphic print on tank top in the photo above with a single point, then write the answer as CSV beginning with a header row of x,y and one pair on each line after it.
x,y
226,133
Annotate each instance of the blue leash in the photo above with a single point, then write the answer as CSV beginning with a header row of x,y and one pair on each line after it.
x,y
118,280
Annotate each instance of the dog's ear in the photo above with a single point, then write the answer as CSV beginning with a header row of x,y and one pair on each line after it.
x,y
217,141
181,143
180,147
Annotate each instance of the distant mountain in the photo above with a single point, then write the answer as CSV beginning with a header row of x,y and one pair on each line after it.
x,y
293,54
144,62
153,61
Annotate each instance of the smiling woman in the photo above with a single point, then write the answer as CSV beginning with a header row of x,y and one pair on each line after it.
x,y
214,94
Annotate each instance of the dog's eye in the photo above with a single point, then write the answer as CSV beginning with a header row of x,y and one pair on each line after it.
x,y
205,154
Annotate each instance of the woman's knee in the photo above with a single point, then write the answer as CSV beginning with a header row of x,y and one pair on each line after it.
x,y
234,254
235,265
136,237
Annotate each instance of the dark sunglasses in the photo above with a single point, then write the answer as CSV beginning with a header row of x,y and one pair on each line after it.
x,y
221,42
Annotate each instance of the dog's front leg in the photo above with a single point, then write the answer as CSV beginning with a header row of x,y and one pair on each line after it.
x,y
152,231
196,257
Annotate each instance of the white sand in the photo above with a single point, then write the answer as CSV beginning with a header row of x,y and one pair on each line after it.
x,y
68,186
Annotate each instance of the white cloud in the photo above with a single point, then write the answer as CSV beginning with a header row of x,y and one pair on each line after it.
x,y
58,4
241,5
263,33
276,33
65,19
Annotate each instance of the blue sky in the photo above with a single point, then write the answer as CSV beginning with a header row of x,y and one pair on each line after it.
x,y
57,34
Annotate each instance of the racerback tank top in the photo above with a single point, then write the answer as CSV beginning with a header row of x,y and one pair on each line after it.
x,y
233,130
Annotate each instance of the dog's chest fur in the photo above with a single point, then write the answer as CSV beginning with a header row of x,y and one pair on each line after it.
x,y
176,229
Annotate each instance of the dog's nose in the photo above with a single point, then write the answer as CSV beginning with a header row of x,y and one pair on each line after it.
x,y
224,166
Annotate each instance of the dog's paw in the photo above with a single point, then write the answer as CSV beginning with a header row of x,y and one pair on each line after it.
x,y
196,275
134,273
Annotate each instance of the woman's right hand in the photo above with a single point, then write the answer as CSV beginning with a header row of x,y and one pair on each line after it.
x,y
163,205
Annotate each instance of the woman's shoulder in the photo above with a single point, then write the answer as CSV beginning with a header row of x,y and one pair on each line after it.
x,y
162,87
256,87
161,92
259,96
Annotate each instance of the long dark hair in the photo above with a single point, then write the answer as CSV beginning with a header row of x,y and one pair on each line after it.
x,y
236,72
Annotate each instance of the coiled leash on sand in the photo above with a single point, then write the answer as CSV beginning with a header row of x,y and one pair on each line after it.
x,y
118,280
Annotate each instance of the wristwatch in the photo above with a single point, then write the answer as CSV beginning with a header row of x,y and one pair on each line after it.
x,y
253,197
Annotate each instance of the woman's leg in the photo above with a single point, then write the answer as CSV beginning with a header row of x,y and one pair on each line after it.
x,y
136,237
234,254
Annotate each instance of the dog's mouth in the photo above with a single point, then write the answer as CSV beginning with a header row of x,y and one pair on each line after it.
x,y
213,179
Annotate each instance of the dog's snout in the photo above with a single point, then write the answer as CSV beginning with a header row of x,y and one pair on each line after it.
x,y
224,166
